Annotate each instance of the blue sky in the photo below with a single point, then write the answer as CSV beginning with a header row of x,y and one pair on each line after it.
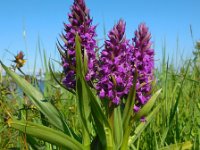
x,y
43,19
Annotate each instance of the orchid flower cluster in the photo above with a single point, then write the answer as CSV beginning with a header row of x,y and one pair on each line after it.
x,y
113,72
81,24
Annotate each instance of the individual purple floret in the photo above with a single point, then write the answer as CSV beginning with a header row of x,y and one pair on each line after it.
x,y
143,60
79,23
115,76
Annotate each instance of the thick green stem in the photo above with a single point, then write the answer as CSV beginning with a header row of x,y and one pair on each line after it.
x,y
124,145
111,117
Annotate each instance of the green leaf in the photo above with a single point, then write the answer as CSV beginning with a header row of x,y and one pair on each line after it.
x,y
143,112
127,113
101,121
37,98
47,134
118,128
147,107
82,96
179,146
88,103
128,110
84,110
79,62
140,128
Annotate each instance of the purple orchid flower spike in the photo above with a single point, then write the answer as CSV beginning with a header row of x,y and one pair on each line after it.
x,y
115,77
79,23
143,60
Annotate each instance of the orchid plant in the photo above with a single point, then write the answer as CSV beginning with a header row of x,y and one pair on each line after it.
x,y
112,91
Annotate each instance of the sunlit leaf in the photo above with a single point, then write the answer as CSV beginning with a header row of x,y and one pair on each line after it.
x,y
148,106
47,134
140,128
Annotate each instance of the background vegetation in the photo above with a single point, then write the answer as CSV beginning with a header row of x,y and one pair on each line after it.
x,y
176,125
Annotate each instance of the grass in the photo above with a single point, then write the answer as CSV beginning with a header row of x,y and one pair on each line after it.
x,y
174,123
178,120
